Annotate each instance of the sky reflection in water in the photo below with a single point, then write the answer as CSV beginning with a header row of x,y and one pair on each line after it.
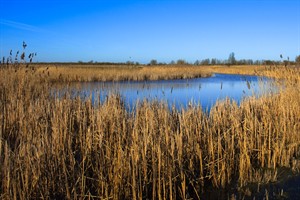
x,y
179,93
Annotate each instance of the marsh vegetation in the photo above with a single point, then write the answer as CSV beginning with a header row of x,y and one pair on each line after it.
x,y
68,148
87,73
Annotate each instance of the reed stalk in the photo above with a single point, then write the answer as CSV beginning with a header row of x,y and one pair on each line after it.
x,y
63,147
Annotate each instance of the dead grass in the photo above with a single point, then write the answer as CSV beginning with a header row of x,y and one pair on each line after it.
x,y
66,73
54,148
238,69
71,73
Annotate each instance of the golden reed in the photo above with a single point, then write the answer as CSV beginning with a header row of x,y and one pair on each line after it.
x,y
67,148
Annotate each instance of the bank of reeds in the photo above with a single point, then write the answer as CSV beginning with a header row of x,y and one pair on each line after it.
x,y
66,73
238,69
79,72
66,148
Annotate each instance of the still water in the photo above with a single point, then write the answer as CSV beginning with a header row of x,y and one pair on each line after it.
x,y
179,93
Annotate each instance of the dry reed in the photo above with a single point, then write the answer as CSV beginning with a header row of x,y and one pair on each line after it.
x,y
67,73
55,148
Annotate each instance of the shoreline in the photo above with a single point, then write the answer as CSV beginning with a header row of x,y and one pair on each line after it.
x,y
105,73
121,73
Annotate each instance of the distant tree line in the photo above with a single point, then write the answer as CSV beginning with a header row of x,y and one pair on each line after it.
x,y
231,61
208,61
109,63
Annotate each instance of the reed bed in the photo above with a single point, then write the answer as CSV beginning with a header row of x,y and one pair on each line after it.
x,y
261,70
67,148
79,73
67,73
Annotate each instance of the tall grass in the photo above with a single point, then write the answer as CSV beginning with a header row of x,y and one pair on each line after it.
x,y
63,147
66,73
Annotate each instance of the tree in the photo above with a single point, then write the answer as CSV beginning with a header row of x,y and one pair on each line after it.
x,y
213,61
172,62
297,60
249,62
129,63
231,59
205,62
197,62
153,62
268,62
181,62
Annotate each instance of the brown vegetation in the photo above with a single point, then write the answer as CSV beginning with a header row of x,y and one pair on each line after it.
x,y
239,69
85,72
63,147
66,73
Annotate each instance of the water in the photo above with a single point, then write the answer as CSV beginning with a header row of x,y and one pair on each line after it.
x,y
179,93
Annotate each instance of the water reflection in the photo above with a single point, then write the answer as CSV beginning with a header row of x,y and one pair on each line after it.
x,y
180,93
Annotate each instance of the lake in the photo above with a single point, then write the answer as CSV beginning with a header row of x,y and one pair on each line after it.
x,y
179,93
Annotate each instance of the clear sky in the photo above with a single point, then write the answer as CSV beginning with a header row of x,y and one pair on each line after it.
x,y
120,31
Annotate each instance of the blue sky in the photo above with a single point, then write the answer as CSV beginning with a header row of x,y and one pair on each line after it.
x,y
120,31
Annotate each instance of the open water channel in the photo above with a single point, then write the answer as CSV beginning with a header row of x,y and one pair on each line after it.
x,y
179,93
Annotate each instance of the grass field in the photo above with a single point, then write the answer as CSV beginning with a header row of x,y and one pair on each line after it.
x,y
67,148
